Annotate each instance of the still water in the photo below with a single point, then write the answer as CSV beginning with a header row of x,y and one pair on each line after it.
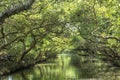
x,y
68,67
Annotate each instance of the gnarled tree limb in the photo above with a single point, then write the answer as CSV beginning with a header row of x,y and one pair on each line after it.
x,y
15,10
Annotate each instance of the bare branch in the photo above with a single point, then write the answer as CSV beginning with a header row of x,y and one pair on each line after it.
x,y
107,37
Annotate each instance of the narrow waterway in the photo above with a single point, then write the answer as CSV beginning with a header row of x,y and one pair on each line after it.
x,y
68,67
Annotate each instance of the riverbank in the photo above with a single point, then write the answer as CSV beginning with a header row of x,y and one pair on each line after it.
x,y
9,67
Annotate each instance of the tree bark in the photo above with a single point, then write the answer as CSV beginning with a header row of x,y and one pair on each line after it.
x,y
15,10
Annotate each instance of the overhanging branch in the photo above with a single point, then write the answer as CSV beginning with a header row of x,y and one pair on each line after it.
x,y
15,10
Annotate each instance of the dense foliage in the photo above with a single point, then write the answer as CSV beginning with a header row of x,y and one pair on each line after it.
x,y
39,29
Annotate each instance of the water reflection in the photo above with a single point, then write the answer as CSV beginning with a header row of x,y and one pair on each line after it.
x,y
66,67
9,77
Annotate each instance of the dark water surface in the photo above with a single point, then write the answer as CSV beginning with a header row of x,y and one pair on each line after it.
x,y
68,67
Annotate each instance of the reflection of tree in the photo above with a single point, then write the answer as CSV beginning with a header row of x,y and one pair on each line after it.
x,y
53,71
69,71
41,73
24,76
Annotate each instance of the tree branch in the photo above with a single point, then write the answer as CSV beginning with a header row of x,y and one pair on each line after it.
x,y
15,10
2,32
29,49
5,45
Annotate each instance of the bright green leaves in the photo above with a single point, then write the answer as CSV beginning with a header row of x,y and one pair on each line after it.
x,y
28,40
62,25
60,44
36,17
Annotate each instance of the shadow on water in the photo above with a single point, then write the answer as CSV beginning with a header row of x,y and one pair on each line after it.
x,y
67,67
